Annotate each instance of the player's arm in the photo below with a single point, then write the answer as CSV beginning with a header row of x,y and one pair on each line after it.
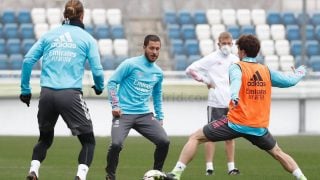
x,y
235,76
198,70
157,99
281,80
96,67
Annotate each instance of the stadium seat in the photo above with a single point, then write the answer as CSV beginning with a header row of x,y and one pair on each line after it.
x,y
8,16
114,17
206,46
105,47
117,32
13,46
99,16
107,62
315,19
295,47
173,31
298,61
2,46
243,17
3,62
293,32
315,63
90,29
170,17
192,59
248,29
87,17
185,17
11,31
24,16
119,60
38,15
102,31
216,29
310,35
1,31
188,31
15,61
289,18
234,30
176,47
317,32
267,47
273,17
312,47
26,44
199,17
54,15
191,47
263,31
258,16
282,47
121,47
180,62
278,32
26,31
203,31
272,61
286,62
303,19
213,16
40,29
229,16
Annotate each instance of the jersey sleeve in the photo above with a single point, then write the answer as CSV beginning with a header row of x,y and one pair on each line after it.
x,y
157,99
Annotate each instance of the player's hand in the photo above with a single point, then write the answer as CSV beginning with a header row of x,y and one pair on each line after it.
x,y
116,112
300,71
235,102
25,98
159,121
98,92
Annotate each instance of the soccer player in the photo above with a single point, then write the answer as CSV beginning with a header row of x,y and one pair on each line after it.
x,y
249,109
64,52
212,70
129,90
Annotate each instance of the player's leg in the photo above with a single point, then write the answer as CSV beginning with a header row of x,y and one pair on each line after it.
x,y
152,130
209,150
230,148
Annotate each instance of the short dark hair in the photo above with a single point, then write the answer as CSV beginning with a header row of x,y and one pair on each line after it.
x,y
150,37
250,44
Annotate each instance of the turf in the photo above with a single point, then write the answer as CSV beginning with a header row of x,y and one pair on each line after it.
x,y
136,159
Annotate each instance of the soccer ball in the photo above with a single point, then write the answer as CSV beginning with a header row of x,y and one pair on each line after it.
x,y
154,175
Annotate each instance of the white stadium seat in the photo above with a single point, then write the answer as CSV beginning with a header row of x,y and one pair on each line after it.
x,y
286,62
87,16
263,31
105,46
203,31
244,17
40,29
229,16
114,16
206,46
54,15
282,47
213,16
121,47
267,47
216,29
99,16
272,61
258,16
38,15
278,32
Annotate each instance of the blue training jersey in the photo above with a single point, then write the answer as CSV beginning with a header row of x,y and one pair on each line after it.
x,y
132,85
64,52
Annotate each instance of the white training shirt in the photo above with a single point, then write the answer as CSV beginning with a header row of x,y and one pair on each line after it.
x,y
213,69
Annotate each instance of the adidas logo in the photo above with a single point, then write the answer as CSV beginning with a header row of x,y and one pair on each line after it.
x,y
256,80
64,41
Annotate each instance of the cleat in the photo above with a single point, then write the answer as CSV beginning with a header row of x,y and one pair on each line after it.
x,y
32,176
209,172
172,176
77,178
234,172
109,178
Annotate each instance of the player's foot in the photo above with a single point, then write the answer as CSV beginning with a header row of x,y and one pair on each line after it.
x,y
302,178
77,178
209,172
234,172
110,178
32,176
172,176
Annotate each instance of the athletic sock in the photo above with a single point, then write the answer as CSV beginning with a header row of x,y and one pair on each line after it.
x,y
297,173
179,168
82,171
35,165
230,166
209,165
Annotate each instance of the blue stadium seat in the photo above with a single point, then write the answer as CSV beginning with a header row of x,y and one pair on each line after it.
x,y
8,16
1,31
11,30
24,16
4,62
13,46
315,19
315,63
188,31
173,31
248,29
2,46
15,61
312,47
200,17
89,28
170,17
310,32
102,31
107,62
289,18
303,19
192,47
26,31
119,60
298,61
317,32
176,46
26,44
234,30
192,58
295,47
185,17
180,62
117,32
273,17
293,32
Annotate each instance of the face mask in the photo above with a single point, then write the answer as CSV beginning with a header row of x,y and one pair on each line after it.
x,y
226,50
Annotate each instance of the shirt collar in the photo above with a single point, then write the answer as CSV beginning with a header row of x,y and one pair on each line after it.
x,y
249,59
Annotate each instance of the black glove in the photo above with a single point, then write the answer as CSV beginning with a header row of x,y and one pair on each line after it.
x,y
26,98
98,92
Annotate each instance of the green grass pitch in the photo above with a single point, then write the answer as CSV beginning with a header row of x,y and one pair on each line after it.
x,y
137,157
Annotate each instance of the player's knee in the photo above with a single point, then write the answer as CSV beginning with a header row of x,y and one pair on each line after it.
x,y
46,138
116,146
164,143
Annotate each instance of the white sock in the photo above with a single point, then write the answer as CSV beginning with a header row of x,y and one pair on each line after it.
x,y
230,166
82,171
35,165
209,165
179,167
297,173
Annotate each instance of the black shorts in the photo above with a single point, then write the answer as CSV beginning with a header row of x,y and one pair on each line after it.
x,y
220,131
214,113
69,104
